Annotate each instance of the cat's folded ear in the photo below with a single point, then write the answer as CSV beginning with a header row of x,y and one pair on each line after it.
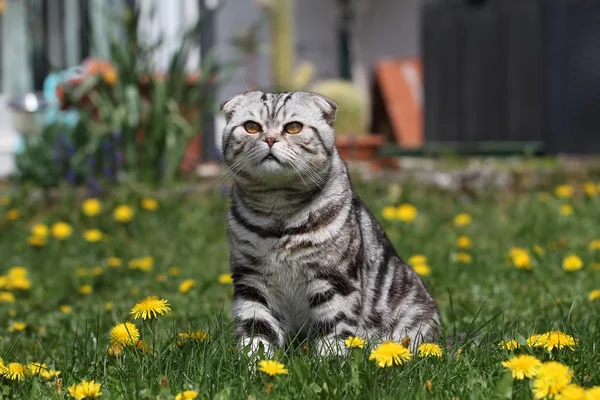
x,y
327,106
228,105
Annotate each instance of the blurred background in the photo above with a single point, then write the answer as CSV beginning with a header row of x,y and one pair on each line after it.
x,y
95,91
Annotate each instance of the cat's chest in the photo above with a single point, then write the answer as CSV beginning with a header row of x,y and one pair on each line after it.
x,y
288,281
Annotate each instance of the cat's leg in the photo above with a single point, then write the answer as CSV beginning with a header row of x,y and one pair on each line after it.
x,y
256,326
413,329
334,314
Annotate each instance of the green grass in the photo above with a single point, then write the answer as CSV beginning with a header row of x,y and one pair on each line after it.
x,y
481,302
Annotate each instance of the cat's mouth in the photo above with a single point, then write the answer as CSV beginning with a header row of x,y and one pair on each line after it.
x,y
270,157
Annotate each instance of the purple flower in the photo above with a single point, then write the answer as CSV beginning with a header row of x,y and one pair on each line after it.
x,y
94,186
71,176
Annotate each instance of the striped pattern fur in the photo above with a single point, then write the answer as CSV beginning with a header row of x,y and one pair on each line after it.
x,y
308,258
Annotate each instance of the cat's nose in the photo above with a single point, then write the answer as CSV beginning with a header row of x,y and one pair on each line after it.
x,y
271,141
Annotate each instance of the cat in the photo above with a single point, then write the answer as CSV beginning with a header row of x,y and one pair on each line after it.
x,y
307,257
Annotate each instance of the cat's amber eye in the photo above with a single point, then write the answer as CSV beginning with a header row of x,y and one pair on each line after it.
x,y
293,127
252,127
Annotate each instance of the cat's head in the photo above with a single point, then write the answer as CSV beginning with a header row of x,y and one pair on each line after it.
x,y
278,137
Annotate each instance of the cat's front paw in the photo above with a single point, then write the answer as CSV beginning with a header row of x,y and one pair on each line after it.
x,y
253,345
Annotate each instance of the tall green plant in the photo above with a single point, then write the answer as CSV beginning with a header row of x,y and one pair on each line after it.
x,y
282,49
133,122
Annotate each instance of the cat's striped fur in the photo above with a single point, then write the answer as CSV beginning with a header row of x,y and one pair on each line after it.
x,y
307,256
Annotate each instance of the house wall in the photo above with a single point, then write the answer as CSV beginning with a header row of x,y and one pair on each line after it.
x,y
385,28
388,28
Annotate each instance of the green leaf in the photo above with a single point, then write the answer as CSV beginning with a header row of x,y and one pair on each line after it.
x,y
504,387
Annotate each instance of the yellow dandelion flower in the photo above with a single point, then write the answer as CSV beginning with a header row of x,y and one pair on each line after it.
x,y
272,368
572,263
91,207
85,390
149,204
114,262
593,296
174,271
42,370
595,244
564,191
464,258
523,366
566,210
462,219
97,271
115,350
61,230
557,340
143,346
160,278
49,373
187,395
189,336
40,230
12,215
150,307
92,235
520,258
355,341
2,366
572,392
17,326
536,340
463,242
19,283
65,309
509,344
590,189
422,269
406,213
108,306
417,259
187,285
144,264
552,378
85,289
429,350
123,214
389,213
7,297
388,354
15,371
592,393
225,279
125,334
16,279
36,241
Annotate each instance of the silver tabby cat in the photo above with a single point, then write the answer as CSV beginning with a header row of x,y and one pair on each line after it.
x,y
308,258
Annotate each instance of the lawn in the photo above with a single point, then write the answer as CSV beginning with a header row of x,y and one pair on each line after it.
x,y
509,266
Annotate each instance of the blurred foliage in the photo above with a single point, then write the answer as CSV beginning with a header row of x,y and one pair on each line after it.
x,y
353,108
134,124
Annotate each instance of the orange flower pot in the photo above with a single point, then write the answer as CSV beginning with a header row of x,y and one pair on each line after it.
x,y
359,148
